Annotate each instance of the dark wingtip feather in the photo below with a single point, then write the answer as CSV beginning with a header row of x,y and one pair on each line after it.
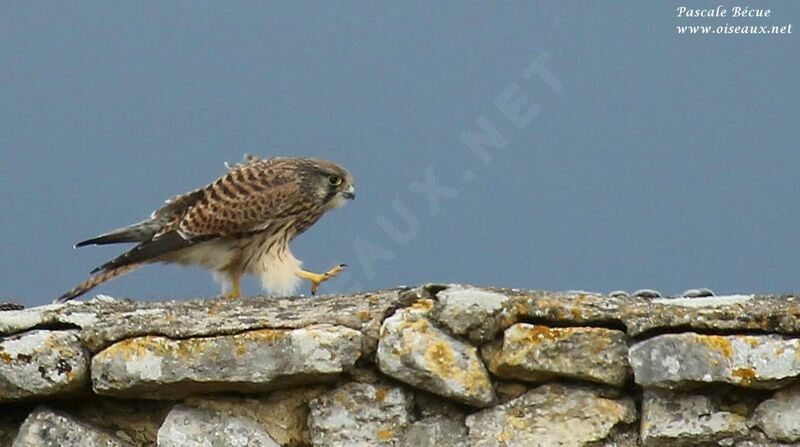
x,y
83,243
111,238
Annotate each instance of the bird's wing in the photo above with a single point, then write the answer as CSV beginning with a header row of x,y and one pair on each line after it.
x,y
251,197
247,199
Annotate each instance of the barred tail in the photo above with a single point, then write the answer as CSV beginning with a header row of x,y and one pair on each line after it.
x,y
96,280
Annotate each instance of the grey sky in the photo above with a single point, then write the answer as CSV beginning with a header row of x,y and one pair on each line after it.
x,y
665,161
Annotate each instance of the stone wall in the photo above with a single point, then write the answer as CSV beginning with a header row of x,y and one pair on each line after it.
x,y
427,366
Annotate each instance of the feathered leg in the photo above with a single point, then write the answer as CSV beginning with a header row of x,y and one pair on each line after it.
x,y
235,291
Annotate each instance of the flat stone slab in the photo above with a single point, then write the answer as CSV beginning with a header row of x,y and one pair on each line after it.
x,y
162,368
551,415
194,427
42,363
47,428
675,419
779,417
637,316
360,414
411,349
470,311
538,353
687,359
476,313
103,320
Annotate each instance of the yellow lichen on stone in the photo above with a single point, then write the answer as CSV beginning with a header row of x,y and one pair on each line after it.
x,y
135,347
440,359
380,394
385,435
422,305
746,375
268,335
718,343
536,334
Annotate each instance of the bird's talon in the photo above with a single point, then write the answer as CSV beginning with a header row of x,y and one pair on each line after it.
x,y
318,278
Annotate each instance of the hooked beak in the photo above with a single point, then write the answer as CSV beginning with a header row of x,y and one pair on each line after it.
x,y
349,193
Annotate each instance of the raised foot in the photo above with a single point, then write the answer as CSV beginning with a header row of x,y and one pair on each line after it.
x,y
318,278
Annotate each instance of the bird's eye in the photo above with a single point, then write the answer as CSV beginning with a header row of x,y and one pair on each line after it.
x,y
334,180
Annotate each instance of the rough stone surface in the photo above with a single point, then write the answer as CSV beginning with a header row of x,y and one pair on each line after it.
x,y
439,422
47,428
539,353
133,421
41,363
682,360
779,417
640,316
675,419
551,415
283,414
103,320
265,360
470,312
436,431
194,427
360,414
411,349
162,368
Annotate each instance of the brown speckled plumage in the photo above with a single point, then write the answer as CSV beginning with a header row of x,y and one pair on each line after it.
x,y
240,223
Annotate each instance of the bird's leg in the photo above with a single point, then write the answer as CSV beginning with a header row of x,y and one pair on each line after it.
x,y
318,278
235,292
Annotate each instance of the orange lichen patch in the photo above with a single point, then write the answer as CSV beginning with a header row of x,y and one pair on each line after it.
x,y
239,346
440,358
380,394
424,305
718,343
514,424
5,358
385,435
745,375
513,313
363,315
137,347
186,348
344,401
263,335
610,407
422,325
536,334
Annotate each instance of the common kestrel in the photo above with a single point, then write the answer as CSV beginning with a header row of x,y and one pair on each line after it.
x,y
241,223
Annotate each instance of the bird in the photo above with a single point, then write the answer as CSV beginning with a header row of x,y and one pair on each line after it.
x,y
242,223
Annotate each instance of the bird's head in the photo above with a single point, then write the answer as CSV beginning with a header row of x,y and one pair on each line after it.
x,y
332,184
